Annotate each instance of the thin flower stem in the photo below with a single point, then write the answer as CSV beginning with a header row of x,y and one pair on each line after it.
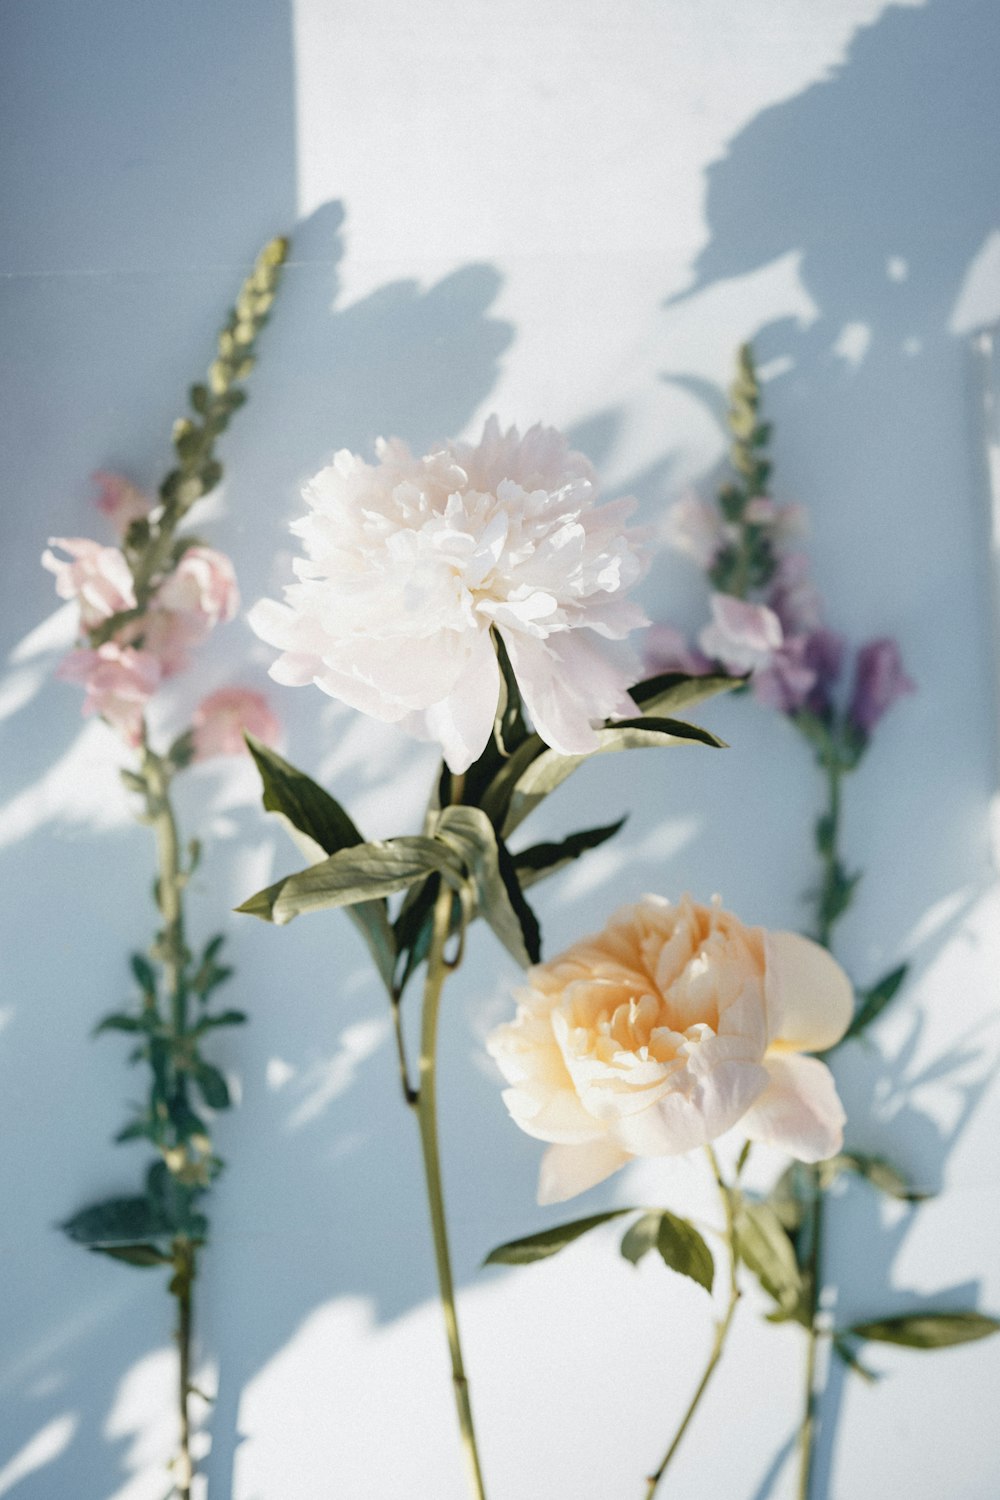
x,y
426,1107
721,1328
173,956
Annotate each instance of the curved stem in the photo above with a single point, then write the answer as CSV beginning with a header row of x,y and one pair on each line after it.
x,y
426,1108
721,1329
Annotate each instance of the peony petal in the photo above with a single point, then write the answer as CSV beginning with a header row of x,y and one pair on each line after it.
x,y
680,1121
568,1170
800,1110
463,722
810,1000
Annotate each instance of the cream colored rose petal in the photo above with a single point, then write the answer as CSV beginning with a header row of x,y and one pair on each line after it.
x,y
568,1170
800,1110
810,1000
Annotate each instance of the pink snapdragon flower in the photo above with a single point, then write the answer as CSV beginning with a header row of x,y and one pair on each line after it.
x,y
190,602
96,577
221,719
742,636
120,500
118,681
698,530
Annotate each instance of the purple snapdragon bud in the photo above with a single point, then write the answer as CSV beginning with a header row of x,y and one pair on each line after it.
x,y
879,679
825,655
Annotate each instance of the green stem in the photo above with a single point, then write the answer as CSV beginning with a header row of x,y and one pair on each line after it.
x,y
829,908
173,955
426,1108
721,1329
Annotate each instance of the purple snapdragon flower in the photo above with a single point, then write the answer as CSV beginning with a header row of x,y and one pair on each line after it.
x,y
879,680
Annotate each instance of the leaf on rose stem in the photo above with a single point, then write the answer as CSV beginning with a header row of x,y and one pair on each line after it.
x,y
549,1241
542,860
641,1237
927,1330
498,895
874,1001
548,769
766,1250
684,1250
356,875
320,819
876,1170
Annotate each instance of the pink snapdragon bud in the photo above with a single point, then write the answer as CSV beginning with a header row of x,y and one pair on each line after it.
x,y
221,719
784,522
742,636
97,577
697,529
879,679
668,650
120,500
119,681
203,586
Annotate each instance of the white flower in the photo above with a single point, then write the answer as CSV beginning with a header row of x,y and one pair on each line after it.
x,y
664,1031
413,562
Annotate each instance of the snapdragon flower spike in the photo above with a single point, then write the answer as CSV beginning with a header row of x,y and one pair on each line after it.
x,y
413,563
879,681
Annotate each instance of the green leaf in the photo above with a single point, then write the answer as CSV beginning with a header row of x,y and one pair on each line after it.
x,y
498,896
847,1354
641,1237
542,860
928,1330
135,1255
683,1249
766,1251
222,1018
670,692
876,1170
119,1022
213,1085
548,1241
144,973
116,1221
547,769
319,818
875,1000
354,875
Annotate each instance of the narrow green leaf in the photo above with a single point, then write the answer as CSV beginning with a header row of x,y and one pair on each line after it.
x,y
641,1237
876,1170
928,1330
547,769
222,1018
767,1252
320,819
118,1022
548,1241
875,1000
670,692
498,896
134,1255
683,1249
354,875
542,860
116,1221
144,973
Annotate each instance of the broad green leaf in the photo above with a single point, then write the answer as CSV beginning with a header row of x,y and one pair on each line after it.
x,y
876,1170
683,1249
641,1236
927,1330
324,827
498,896
875,1000
548,769
670,692
357,874
213,1085
548,1241
116,1221
542,860
766,1251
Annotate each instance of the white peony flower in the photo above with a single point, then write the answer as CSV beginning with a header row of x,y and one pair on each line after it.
x,y
664,1031
413,562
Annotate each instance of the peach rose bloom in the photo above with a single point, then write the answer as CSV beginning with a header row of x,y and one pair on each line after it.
x,y
664,1031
